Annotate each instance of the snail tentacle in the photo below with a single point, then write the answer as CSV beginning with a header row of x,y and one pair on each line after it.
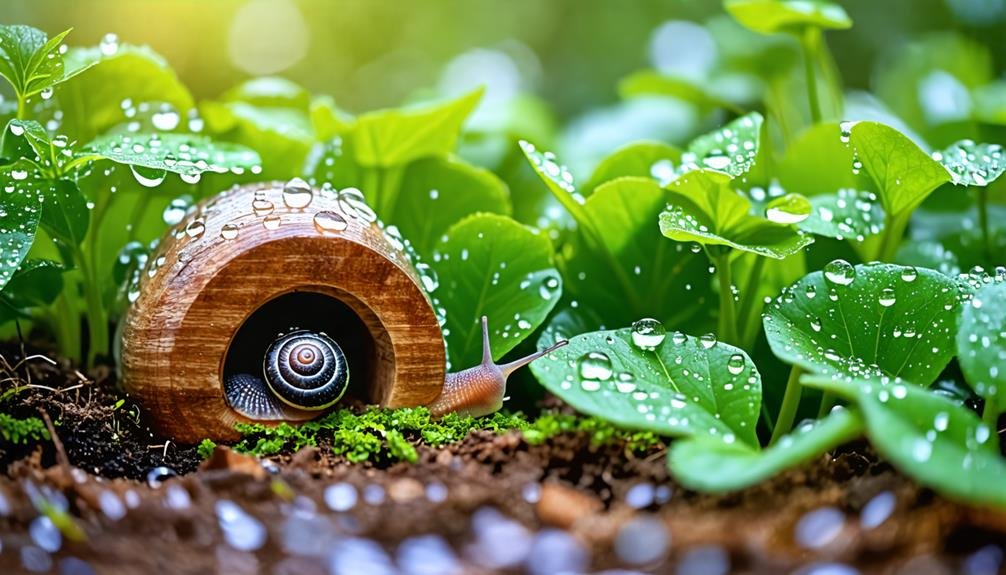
x,y
479,390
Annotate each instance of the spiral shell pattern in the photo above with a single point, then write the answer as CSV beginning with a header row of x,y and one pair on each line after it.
x,y
306,370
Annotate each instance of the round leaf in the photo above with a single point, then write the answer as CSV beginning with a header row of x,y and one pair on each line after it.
x,y
869,319
847,214
641,159
491,265
972,164
772,16
981,344
934,440
185,154
19,217
685,386
731,149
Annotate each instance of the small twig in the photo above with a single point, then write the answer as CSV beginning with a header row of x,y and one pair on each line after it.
x,y
44,358
61,457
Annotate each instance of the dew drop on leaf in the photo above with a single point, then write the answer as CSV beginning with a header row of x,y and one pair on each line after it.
x,y
887,297
707,341
909,274
788,209
648,333
595,366
840,272
735,365
148,177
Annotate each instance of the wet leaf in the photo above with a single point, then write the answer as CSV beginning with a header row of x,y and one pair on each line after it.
x,y
928,254
772,16
702,208
904,175
282,136
25,139
846,214
29,59
708,465
185,154
683,386
981,344
108,85
731,149
655,83
930,438
65,215
820,162
436,193
394,137
972,164
491,265
19,216
38,282
870,319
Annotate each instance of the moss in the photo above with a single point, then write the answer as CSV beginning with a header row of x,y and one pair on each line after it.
x,y
393,434
205,448
19,431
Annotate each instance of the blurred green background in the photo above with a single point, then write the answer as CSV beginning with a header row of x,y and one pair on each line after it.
x,y
376,53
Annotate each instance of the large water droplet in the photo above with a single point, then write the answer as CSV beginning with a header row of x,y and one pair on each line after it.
x,y
195,229
353,204
735,365
840,272
229,231
648,333
148,177
887,297
789,209
708,340
595,366
329,222
175,211
297,194
909,274
272,222
262,207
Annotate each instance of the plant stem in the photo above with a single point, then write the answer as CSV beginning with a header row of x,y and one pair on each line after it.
x,y
827,402
728,315
22,107
790,403
809,42
97,323
990,415
748,308
894,228
983,222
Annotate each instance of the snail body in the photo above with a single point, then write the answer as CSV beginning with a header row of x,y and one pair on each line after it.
x,y
199,347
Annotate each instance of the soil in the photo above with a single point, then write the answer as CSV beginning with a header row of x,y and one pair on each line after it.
x,y
491,503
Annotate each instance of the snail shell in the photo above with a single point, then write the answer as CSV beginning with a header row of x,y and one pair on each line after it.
x,y
259,259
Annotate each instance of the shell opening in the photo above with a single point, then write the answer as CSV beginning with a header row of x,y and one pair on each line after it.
x,y
303,310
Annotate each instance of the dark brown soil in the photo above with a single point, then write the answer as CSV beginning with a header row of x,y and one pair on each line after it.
x,y
487,504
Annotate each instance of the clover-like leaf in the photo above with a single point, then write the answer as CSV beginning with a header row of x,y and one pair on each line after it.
x,y
904,175
981,344
705,465
185,154
870,319
92,102
491,265
394,137
641,159
678,386
29,59
701,207
846,214
933,439
436,193
972,164
772,16
19,216
731,149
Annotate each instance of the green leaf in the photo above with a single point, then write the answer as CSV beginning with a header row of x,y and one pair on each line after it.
x,y
558,179
655,83
685,386
38,282
281,136
904,174
702,208
26,139
438,192
847,214
819,161
869,319
731,149
19,217
185,154
388,138
626,269
65,216
29,60
270,92
928,437
92,102
772,16
928,254
972,164
491,265
640,159
981,344
713,466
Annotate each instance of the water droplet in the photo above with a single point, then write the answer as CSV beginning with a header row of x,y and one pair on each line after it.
x,y
678,338
595,366
788,209
353,204
329,222
297,194
229,231
148,177
887,297
708,340
648,333
909,274
16,129
272,222
262,207
195,229
840,272
109,44
176,210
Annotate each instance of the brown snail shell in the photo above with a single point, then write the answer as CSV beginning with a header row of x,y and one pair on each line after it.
x,y
307,255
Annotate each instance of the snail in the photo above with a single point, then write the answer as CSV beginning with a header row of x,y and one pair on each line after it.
x,y
272,302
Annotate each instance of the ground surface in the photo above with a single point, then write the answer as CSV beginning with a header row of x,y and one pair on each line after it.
x,y
491,503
